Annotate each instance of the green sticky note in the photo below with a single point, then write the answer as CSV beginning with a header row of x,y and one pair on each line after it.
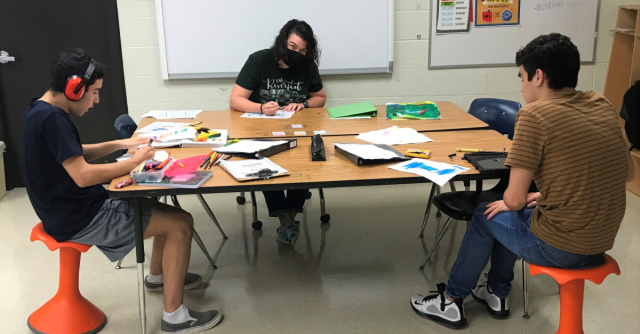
x,y
353,110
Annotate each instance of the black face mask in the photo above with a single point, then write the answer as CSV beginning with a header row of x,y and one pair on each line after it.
x,y
294,58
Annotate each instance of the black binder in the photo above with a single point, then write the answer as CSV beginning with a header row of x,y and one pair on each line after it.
x,y
317,149
273,150
361,162
487,162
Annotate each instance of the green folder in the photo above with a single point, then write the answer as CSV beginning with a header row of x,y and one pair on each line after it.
x,y
353,110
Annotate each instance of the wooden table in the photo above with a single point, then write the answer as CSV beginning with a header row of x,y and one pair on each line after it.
x,y
316,119
337,171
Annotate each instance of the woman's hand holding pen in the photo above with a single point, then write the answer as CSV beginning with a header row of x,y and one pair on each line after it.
x,y
270,108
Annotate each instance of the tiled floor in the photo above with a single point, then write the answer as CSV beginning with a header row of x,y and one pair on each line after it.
x,y
354,275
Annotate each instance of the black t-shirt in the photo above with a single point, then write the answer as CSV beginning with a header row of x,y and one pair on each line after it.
x,y
48,139
262,75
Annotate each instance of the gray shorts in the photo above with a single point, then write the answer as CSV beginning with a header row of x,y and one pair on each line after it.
x,y
112,229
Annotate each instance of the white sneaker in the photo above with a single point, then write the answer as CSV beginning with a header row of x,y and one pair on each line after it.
x,y
498,308
438,309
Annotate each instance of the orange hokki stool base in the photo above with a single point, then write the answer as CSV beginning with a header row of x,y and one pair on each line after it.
x,y
572,290
68,312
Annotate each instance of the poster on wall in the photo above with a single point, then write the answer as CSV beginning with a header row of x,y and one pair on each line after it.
x,y
491,13
453,16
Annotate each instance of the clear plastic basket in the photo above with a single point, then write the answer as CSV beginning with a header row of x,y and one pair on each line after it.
x,y
154,176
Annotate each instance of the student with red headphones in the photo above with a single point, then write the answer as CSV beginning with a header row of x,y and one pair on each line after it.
x,y
67,193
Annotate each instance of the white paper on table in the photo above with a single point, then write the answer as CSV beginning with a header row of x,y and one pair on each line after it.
x,y
249,146
159,156
240,169
438,172
394,136
367,151
161,126
279,115
171,114
175,134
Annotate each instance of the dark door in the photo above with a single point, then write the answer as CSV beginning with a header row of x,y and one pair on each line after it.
x,y
35,32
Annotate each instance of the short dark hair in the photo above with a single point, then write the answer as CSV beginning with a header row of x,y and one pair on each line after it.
x,y
69,63
302,29
556,56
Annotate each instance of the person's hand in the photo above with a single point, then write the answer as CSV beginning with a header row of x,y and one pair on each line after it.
x,y
495,208
532,199
270,108
134,142
293,107
143,154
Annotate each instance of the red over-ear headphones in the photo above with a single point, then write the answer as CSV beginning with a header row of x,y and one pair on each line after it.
x,y
76,86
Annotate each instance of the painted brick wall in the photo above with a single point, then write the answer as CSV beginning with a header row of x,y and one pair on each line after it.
x,y
410,82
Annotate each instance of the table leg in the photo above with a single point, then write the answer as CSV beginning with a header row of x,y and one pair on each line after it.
x,y
428,212
139,236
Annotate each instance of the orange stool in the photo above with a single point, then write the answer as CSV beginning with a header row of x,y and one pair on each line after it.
x,y
68,312
572,290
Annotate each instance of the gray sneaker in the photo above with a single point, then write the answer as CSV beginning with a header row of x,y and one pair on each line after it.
x,y
204,321
293,231
191,281
282,236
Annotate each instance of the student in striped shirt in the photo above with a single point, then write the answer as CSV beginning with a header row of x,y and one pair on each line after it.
x,y
570,143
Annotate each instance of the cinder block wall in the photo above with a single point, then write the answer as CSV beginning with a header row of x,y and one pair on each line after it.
x,y
411,81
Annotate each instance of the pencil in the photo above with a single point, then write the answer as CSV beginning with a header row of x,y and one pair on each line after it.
x,y
468,150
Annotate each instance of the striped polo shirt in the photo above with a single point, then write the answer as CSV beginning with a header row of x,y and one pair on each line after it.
x,y
575,148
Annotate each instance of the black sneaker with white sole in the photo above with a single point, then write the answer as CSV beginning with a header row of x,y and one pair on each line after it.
x,y
440,310
191,281
202,321
498,307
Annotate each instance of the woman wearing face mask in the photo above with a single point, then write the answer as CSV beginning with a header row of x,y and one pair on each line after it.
x,y
284,76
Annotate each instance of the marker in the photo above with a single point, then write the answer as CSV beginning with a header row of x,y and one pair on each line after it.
x,y
232,142
468,150
150,141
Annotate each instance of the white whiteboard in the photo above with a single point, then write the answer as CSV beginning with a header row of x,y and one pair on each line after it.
x,y
492,46
214,38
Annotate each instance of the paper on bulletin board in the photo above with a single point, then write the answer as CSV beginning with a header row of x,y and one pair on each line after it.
x,y
497,12
453,16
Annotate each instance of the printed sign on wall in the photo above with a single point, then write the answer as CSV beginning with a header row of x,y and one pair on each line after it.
x,y
453,16
497,12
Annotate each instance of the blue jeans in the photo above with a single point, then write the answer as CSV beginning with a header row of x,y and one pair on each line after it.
x,y
501,239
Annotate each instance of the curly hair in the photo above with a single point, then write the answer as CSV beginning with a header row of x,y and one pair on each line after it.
x,y
304,31
556,56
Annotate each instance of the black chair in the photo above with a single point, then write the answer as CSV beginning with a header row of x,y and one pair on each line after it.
x,y
460,206
125,128
500,115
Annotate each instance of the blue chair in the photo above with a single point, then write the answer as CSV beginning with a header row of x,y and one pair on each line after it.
x,y
125,128
499,114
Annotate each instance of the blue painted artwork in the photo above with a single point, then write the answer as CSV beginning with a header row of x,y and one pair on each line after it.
x,y
421,165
